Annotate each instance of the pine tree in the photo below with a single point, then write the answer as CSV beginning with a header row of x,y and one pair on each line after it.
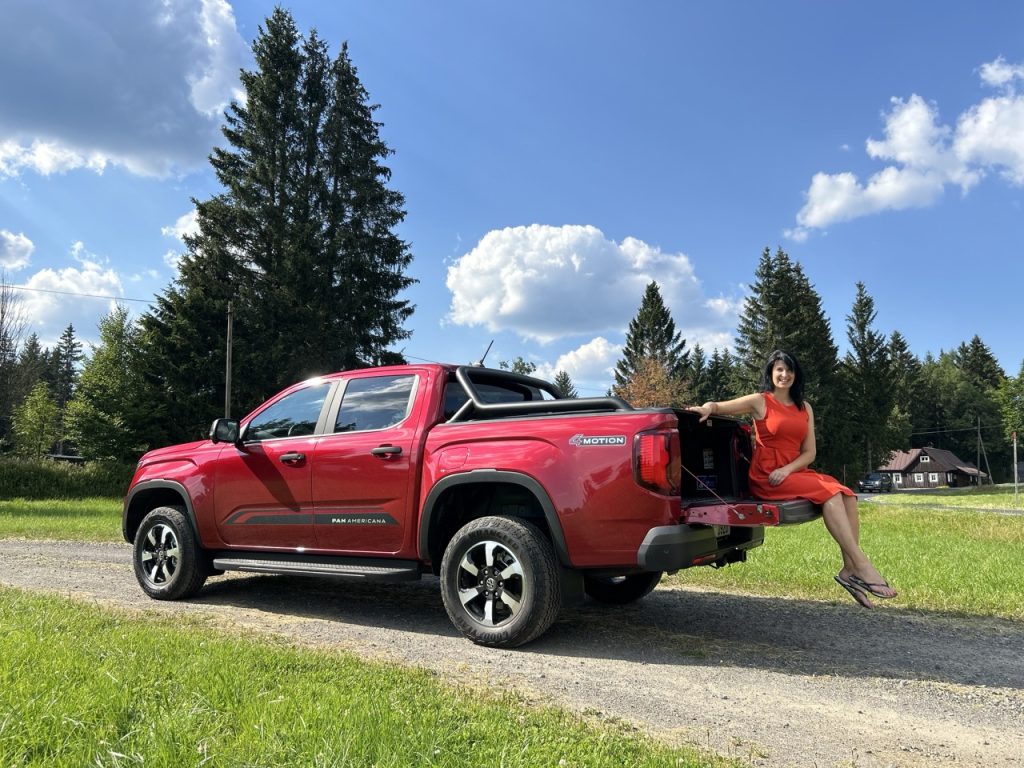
x,y
868,379
64,375
977,361
907,393
652,335
697,374
783,311
718,378
564,383
300,240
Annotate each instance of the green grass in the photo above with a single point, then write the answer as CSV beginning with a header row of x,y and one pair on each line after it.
x,y
94,519
85,686
957,561
986,497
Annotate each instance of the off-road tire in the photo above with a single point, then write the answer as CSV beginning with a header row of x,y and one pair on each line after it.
x,y
168,561
620,590
500,581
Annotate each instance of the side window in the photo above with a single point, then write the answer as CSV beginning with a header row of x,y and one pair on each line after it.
x,y
293,415
376,402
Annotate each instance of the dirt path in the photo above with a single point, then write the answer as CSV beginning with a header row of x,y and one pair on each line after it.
x,y
778,682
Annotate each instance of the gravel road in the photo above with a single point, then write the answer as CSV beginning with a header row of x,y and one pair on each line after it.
x,y
778,682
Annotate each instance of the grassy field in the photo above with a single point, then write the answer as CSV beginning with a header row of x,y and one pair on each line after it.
x,y
965,561
82,686
97,519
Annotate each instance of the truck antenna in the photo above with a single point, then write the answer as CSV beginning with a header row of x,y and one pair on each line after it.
x,y
480,363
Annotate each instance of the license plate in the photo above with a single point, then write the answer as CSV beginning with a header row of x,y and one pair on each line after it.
x,y
721,531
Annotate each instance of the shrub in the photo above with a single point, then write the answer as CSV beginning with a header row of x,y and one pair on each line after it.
x,y
43,479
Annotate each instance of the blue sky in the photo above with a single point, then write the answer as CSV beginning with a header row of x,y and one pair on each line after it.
x,y
555,157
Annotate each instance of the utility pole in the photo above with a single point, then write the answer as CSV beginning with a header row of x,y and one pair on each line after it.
x,y
1015,465
227,369
977,462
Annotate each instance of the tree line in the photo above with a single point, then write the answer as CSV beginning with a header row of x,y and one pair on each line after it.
x,y
300,245
877,398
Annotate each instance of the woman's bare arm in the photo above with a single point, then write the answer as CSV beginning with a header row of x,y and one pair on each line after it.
x,y
752,404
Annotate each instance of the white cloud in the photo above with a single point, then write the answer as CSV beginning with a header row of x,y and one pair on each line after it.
x,y
991,134
172,259
926,156
50,304
589,363
999,74
186,224
546,283
138,85
15,249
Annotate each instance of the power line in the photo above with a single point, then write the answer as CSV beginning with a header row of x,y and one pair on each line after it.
x,y
958,429
84,295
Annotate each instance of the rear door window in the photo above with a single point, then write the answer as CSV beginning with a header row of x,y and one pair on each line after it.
x,y
375,402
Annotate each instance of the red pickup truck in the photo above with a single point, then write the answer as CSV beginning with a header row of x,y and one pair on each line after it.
x,y
520,500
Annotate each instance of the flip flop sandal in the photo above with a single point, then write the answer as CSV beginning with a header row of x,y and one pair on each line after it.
x,y
867,586
855,593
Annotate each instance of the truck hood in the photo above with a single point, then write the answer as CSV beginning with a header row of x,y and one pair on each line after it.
x,y
174,451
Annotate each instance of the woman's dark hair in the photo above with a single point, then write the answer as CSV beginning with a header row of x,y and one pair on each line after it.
x,y
797,390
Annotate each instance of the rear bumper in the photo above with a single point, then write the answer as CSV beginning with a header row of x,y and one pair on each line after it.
x,y
674,547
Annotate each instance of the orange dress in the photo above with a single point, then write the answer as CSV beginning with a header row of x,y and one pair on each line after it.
x,y
778,437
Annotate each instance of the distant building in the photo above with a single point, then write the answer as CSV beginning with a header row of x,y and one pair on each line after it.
x,y
930,468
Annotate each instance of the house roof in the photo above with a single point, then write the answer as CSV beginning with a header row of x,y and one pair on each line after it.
x,y
940,460
900,460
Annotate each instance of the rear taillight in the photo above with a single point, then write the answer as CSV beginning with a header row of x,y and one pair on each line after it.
x,y
656,464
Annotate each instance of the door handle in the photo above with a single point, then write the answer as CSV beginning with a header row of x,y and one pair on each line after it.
x,y
292,458
386,450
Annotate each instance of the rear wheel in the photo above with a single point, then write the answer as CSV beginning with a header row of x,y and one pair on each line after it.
x,y
619,590
168,561
500,581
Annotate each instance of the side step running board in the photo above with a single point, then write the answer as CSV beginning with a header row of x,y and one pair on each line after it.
x,y
345,568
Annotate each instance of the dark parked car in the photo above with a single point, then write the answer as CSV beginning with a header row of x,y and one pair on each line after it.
x,y
875,482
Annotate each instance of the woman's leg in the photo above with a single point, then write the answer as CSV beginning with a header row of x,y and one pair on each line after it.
x,y
843,523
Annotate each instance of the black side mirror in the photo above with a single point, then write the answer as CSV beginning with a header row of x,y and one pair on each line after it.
x,y
224,431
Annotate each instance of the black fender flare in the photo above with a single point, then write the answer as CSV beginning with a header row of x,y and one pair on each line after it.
x,y
487,477
151,485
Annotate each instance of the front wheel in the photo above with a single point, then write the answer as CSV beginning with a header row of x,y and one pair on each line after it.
x,y
500,581
167,559
620,590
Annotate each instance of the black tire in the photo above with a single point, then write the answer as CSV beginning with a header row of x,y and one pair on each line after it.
x,y
500,582
620,590
168,561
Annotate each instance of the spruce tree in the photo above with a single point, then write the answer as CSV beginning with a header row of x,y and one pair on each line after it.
x,y
718,378
783,311
652,335
907,392
300,240
867,377
564,383
977,361
697,374
64,375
